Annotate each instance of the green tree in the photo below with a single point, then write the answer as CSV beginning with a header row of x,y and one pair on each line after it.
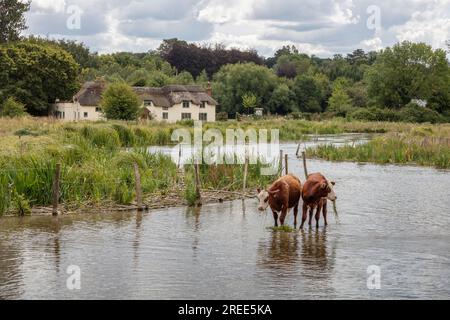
x,y
234,80
119,101
409,71
12,19
282,100
202,79
37,74
339,101
184,77
249,101
12,108
307,94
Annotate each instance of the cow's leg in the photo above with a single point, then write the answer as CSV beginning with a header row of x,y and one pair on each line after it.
x,y
275,217
311,212
284,211
304,214
324,211
295,214
319,208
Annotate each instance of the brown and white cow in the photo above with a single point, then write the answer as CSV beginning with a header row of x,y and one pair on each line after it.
x,y
281,196
316,191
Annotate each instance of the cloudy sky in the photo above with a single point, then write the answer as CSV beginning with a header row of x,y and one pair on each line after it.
x,y
320,27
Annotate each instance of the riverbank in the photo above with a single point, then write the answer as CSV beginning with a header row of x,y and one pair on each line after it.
x,y
97,159
412,148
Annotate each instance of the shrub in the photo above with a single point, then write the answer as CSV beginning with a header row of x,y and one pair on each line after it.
x,y
21,205
374,114
12,108
119,101
222,116
414,113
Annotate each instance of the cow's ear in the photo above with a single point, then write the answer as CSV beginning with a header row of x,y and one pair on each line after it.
x,y
274,192
333,182
259,190
323,185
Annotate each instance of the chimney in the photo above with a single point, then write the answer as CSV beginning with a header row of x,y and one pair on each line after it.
x,y
209,89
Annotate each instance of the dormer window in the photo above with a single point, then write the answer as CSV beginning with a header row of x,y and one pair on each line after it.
x,y
203,105
147,103
186,104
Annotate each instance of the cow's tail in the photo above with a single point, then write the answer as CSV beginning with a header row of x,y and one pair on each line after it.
x,y
336,216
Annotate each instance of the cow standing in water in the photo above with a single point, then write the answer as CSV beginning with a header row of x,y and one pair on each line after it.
x,y
281,196
315,193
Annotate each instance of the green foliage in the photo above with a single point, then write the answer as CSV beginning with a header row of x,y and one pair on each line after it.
x,y
339,102
21,205
249,101
221,116
119,101
415,113
12,19
409,71
308,94
402,149
374,114
233,81
37,74
282,100
12,108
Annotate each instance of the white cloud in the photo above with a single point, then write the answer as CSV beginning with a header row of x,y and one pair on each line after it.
x,y
49,5
431,26
321,27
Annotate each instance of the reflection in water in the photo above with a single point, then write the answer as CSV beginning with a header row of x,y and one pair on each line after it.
x,y
280,255
317,261
194,213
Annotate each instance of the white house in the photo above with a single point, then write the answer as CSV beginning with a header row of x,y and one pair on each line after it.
x,y
85,105
176,102
170,103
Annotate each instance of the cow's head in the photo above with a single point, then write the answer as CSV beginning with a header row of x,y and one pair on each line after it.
x,y
263,196
327,186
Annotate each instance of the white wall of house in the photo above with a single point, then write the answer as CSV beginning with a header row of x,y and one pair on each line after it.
x,y
73,111
175,113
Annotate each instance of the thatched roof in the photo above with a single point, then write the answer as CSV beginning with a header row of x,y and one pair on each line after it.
x,y
91,92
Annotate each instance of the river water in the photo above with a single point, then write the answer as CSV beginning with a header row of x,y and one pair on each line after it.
x,y
393,220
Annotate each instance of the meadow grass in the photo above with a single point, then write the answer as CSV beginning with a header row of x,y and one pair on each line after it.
x,y
97,157
94,168
414,148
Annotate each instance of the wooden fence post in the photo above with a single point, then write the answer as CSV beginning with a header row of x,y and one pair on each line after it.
x,y
245,174
197,183
137,179
55,189
286,168
304,164
298,149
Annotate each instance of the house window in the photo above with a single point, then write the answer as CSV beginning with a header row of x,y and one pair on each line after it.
x,y
185,116
98,109
147,103
203,116
165,115
203,105
165,108
64,115
85,114
186,104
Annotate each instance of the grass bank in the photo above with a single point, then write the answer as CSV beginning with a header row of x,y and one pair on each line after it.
x,y
97,158
429,147
153,133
